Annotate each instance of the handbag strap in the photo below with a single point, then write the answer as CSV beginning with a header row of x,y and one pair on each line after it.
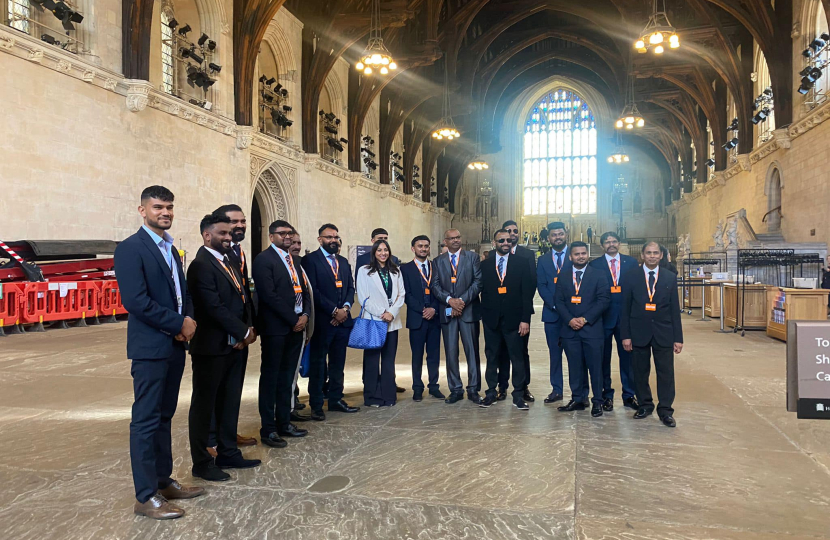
x,y
362,307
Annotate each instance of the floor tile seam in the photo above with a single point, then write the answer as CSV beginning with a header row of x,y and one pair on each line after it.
x,y
705,527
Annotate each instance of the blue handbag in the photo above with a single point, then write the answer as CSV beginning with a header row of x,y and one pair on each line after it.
x,y
305,361
367,333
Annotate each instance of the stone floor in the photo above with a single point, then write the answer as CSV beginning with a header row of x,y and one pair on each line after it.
x,y
737,467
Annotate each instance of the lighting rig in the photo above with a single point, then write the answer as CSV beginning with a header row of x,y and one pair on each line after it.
x,y
396,169
331,125
273,100
65,12
762,108
197,60
816,63
732,144
368,155
416,185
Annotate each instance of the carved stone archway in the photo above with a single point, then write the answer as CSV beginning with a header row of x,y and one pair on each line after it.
x,y
274,188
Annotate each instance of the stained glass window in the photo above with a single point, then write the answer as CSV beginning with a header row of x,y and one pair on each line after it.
x,y
560,148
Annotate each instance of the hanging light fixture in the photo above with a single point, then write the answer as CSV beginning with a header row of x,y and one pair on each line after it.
x,y
619,156
376,56
658,33
446,127
630,117
478,164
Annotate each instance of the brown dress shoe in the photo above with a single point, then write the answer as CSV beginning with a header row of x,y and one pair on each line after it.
x,y
245,441
157,507
178,491
212,451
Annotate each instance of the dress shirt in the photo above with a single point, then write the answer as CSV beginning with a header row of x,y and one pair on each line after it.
x,y
326,254
499,258
457,256
283,254
165,245
608,259
656,271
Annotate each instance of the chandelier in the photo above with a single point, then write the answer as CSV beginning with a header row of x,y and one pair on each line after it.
x,y
478,164
619,156
446,127
657,33
630,117
376,55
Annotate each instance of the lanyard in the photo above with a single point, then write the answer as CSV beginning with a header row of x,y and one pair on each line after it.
x,y
613,275
336,268
500,275
558,267
293,272
242,261
454,266
235,281
428,280
652,291
578,285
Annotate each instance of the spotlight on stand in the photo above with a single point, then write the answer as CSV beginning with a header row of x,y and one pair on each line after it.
x,y
204,37
733,126
709,163
50,40
172,24
731,144
334,143
269,82
216,68
66,15
183,31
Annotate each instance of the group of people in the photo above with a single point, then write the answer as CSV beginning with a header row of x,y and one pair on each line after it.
x,y
298,303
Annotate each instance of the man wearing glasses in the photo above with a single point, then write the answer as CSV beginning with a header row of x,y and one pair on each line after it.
x,y
330,276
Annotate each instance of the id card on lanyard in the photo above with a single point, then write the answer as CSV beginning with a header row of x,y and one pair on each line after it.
x,y
427,280
651,306
502,289
576,299
616,288
336,271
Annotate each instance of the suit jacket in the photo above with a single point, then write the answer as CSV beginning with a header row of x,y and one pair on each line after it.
x,y
530,257
596,295
275,288
506,311
243,265
611,317
416,298
149,295
219,308
370,290
327,296
546,275
662,325
466,288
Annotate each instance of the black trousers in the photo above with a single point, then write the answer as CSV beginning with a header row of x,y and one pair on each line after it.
x,y
280,356
664,366
156,385
428,337
217,392
379,373
332,343
504,366
498,343
584,356
477,349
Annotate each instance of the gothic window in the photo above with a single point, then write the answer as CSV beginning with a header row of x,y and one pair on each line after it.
x,y
560,148
168,76
19,12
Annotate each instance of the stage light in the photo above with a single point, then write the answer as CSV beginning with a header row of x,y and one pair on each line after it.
x,y
709,163
50,40
172,24
270,81
215,67
731,144
330,117
286,108
184,30
211,45
204,37
344,141
262,79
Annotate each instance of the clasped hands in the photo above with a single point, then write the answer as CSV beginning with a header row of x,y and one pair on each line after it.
x,y
301,323
188,329
457,306
247,341
340,316
577,323
629,346
428,313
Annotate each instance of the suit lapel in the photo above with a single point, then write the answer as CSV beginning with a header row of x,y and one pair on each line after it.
x,y
156,253
220,267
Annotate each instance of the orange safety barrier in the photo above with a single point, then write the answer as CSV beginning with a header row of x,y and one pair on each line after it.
x,y
110,297
45,302
11,300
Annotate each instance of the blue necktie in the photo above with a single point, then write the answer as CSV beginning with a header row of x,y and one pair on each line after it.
x,y
425,270
333,262
453,259
559,260
501,266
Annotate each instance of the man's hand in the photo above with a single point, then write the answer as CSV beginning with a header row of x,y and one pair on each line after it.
x,y
457,312
456,303
387,317
251,336
575,323
524,329
180,337
188,328
678,348
301,322
627,345
341,315
428,313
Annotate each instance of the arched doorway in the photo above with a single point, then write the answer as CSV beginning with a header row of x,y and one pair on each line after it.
x,y
257,227
773,217
274,197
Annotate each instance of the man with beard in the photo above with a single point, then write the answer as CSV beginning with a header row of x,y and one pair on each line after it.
x,y
330,276
219,351
550,267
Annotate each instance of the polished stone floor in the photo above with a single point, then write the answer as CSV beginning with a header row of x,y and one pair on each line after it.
x,y
737,467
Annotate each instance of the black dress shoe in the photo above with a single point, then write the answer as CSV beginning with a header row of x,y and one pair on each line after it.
x,y
572,406
521,405
297,417
318,415
642,412
631,403
298,406
668,421
454,398
553,397
596,410
292,431
400,389
527,396
342,406
418,395
437,394
238,462
274,441
608,404
474,397
501,396
487,401
211,473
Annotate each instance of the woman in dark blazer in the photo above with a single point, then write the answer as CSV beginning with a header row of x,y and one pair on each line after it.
x,y
380,286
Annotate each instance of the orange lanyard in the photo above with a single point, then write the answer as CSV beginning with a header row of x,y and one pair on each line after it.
x,y
578,285
613,276
293,272
454,266
501,276
652,291
558,268
336,268
235,281
428,280
242,260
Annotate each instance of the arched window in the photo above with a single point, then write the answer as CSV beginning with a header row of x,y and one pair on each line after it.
x,y
168,73
763,130
560,148
18,12
823,84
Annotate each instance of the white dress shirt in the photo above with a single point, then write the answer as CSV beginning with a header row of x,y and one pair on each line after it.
x,y
221,259
609,258
298,309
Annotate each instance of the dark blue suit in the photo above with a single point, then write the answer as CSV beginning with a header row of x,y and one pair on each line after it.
x,y
422,333
546,276
328,340
148,292
583,346
611,324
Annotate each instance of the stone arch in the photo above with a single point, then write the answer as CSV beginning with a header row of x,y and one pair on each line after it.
x,y
283,52
773,185
274,188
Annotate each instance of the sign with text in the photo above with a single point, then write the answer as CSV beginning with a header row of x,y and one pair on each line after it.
x,y
808,368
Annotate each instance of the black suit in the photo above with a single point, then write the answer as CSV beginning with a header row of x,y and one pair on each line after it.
x,y
502,312
583,347
281,345
328,340
422,333
652,332
223,308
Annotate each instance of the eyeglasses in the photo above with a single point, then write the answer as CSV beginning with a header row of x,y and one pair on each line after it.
x,y
451,238
502,240
330,238
511,231
283,233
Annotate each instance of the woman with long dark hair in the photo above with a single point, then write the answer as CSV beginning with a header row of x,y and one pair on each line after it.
x,y
380,286
665,262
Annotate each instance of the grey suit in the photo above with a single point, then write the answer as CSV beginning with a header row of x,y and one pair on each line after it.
x,y
466,287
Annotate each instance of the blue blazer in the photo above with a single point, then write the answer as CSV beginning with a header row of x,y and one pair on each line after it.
x,y
327,296
545,274
611,317
595,294
149,295
415,297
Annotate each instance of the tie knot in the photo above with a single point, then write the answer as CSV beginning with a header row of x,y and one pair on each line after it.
x,y
579,273
651,273
331,257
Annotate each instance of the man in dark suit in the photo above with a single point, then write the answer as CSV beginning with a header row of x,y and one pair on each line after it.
x,y
422,318
456,283
551,267
281,318
154,292
506,303
331,279
581,299
615,266
219,350
651,326
529,257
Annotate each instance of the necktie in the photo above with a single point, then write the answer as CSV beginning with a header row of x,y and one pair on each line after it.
x,y
559,260
425,270
453,259
614,268
501,266
298,298
651,280
579,277
238,250
333,262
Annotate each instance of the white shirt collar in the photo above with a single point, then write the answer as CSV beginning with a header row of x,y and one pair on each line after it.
x,y
609,257
575,270
219,256
282,252
656,270
500,256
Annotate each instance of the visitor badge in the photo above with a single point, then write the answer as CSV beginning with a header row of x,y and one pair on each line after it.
x,y
576,299
651,307
616,289
502,290
453,279
426,291
298,289
555,279
338,284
